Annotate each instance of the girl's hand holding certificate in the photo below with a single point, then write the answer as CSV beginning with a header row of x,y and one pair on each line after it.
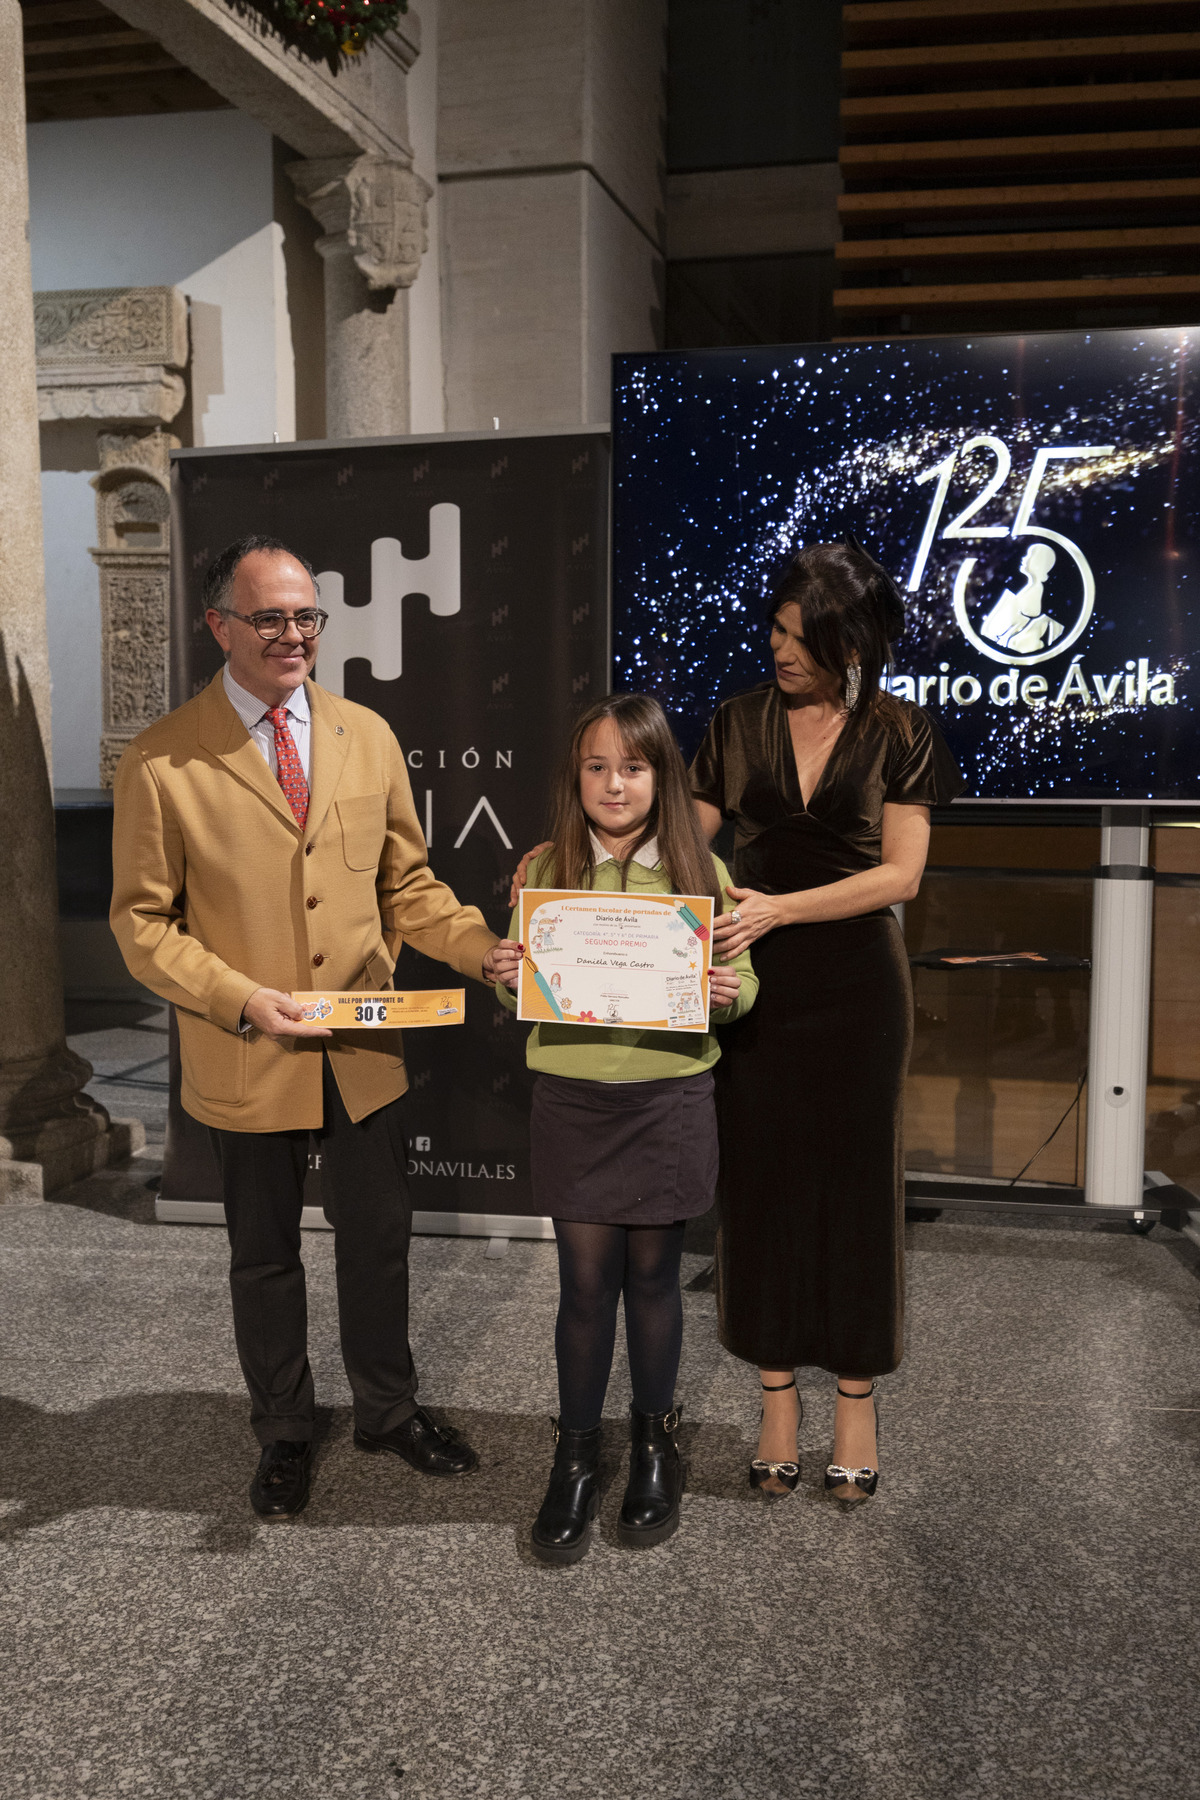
x,y
724,986
505,964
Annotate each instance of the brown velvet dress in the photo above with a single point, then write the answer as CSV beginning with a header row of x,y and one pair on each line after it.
x,y
810,1085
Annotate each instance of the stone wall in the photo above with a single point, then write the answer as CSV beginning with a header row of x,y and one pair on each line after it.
x,y
550,161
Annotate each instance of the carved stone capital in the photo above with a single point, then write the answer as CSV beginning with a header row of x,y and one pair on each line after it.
x,y
111,353
143,396
371,208
136,450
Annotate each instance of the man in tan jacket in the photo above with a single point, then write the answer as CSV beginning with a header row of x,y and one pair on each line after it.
x,y
264,841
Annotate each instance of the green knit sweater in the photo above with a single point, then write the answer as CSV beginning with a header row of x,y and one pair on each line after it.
x,y
608,1053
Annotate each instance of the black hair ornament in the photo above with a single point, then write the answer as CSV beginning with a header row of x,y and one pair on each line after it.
x,y
885,593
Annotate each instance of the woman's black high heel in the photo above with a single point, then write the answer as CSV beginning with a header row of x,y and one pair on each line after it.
x,y
865,1480
787,1472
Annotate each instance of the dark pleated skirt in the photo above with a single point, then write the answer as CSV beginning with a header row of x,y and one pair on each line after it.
x,y
623,1153
811,1194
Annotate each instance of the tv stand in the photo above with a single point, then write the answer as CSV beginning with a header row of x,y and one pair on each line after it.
x,y
1116,1183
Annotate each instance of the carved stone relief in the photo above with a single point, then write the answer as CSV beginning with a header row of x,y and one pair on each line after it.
x,y
118,393
388,232
136,635
111,353
110,325
372,208
136,450
133,556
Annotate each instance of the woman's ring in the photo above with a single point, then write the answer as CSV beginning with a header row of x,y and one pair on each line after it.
x,y
736,916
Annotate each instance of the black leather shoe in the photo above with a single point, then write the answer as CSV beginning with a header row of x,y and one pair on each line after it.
x,y
281,1481
650,1510
432,1449
563,1528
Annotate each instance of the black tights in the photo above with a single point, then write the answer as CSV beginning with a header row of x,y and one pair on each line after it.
x,y
596,1265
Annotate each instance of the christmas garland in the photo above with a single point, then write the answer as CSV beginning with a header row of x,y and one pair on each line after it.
x,y
328,31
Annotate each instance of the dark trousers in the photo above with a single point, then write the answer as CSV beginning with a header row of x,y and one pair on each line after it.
x,y
364,1190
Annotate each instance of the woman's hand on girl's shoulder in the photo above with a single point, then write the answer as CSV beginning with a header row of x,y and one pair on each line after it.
x,y
518,880
753,915
724,986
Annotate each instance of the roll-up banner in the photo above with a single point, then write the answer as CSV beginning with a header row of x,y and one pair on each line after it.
x,y
466,579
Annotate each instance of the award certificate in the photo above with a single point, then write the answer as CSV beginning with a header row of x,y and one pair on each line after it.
x,y
359,1011
634,960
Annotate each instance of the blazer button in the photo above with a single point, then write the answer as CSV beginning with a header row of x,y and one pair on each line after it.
x,y
318,959
312,901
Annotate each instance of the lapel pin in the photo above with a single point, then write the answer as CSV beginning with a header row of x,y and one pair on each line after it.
x,y
338,731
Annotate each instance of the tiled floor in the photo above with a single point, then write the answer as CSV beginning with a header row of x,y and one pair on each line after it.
x,y
1014,1615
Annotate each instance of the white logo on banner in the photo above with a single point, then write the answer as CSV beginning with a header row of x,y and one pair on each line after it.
x,y
375,631
1036,612
1016,628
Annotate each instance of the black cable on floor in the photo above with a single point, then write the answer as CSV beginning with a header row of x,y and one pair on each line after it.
x,y
1055,1132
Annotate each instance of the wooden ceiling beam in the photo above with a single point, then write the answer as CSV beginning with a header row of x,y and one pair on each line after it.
x,y
938,21
1037,199
898,252
101,73
1019,294
168,91
992,156
72,43
37,13
1118,101
866,71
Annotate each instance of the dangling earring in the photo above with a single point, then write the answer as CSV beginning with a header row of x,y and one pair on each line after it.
x,y
853,685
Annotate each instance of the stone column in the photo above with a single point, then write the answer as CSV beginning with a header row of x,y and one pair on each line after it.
x,y
372,210
50,1132
116,355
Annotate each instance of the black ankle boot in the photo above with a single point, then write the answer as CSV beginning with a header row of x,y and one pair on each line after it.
x,y
650,1511
562,1530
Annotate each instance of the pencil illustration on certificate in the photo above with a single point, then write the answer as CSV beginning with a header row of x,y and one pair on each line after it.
x,y
634,960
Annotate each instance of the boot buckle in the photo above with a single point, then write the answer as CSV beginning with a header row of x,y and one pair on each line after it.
x,y
671,1421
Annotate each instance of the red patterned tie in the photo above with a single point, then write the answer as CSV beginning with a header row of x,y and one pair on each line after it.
x,y
288,766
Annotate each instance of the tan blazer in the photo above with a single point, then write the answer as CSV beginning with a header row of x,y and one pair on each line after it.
x,y
217,892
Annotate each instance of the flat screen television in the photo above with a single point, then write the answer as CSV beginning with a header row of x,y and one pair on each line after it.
x,y
1037,500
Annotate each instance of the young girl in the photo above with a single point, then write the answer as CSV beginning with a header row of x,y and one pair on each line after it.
x,y
623,1130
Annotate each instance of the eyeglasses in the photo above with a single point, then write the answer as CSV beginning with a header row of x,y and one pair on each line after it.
x,y
271,625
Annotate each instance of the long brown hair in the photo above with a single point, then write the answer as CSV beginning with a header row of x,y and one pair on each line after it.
x,y
641,725
852,612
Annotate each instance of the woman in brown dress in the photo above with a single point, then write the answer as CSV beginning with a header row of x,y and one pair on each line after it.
x,y
828,781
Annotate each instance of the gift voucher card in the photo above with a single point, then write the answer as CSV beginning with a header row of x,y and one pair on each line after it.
x,y
356,1011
